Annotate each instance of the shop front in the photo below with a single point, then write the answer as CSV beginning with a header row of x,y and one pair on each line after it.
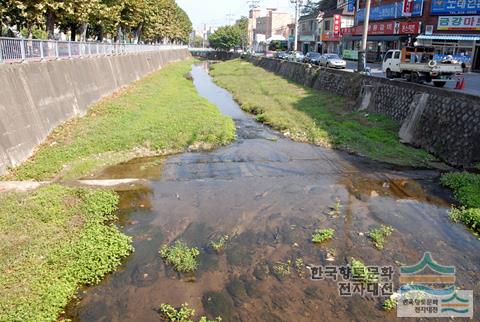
x,y
330,43
307,43
382,36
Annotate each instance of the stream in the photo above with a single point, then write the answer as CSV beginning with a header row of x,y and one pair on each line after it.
x,y
269,194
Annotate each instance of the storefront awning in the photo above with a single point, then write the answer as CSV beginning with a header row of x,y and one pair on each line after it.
x,y
374,38
450,37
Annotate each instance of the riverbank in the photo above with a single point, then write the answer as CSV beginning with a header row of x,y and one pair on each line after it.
x,y
160,114
51,241
317,117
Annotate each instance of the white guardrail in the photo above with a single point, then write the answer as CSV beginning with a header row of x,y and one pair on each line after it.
x,y
14,50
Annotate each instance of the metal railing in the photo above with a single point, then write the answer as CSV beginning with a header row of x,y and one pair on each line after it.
x,y
14,50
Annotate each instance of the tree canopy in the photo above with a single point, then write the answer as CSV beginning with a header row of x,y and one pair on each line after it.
x,y
228,37
123,20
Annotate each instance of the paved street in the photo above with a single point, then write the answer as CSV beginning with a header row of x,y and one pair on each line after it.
x,y
472,80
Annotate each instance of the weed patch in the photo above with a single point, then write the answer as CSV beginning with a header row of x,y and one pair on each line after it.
x,y
361,273
219,244
466,189
321,235
182,314
180,256
378,235
52,240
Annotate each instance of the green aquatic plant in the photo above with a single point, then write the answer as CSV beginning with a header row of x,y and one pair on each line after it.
x,y
300,266
378,235
281,269
335,209
219,244
321,235
389,304
360,272
182,314
180,256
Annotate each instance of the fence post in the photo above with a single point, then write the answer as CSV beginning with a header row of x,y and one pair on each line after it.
x,y
69,50
56,49
41,50
22,49
1,51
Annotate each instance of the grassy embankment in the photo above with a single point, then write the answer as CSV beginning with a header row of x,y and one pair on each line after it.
x,y
312,116
466,189
51,241
159,114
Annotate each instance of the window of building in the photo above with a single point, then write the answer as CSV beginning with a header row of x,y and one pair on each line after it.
x,y
326,25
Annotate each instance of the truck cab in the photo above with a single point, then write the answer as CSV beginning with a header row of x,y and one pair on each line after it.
x,y
391,63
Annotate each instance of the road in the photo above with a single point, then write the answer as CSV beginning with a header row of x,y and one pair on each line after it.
x,y
472,80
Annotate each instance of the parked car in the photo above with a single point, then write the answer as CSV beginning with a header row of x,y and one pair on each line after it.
x,y
281,55
296,56
312,58
332,60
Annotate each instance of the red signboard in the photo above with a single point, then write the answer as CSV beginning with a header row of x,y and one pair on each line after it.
x,y
385,28
337,21
330,36
407,8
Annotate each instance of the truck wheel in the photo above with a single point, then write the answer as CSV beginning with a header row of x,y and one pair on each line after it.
x,y
389,73
416,78
439,84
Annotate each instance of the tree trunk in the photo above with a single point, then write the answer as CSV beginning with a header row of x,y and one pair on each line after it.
x,y
50,24
73,32
138,34
83,31
100,34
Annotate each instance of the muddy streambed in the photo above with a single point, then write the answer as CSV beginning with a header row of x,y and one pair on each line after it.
x,y
269,194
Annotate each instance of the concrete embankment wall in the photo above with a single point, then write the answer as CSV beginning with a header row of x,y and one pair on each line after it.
x,y
444,122
37,97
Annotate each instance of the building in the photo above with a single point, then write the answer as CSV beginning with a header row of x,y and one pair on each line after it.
x,y
452,27
330,28
308,32
252,25
274,25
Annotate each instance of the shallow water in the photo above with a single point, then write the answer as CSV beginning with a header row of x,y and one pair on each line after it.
x,y
269,194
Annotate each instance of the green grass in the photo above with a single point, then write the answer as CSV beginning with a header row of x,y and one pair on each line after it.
x,y
466,189
180,256
312,116
321,235
52,240
182,314
162,113
378,235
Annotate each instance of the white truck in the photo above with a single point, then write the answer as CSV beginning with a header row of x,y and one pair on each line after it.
x,y
416,64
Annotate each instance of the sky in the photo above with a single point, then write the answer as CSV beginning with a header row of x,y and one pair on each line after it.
x,y
214,12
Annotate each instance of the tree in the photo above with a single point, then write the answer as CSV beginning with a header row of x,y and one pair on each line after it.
x,y
310,7
326,5
226,38
242,26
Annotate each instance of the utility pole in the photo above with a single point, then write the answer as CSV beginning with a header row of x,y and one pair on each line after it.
x,y
297,13
362,54
230,16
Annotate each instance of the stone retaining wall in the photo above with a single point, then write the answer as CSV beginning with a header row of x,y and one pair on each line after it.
x,y
36,97
446,122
